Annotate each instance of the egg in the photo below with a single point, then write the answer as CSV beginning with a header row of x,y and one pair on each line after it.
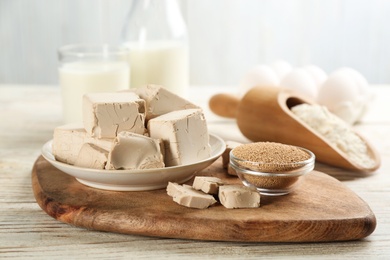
x,y
261,75
300,81
345,94
319,76
281,68
360,81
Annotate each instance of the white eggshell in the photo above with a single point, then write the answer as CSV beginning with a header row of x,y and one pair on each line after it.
x,y
364,89
319,76
346,111
300,81
340,92
261,75
281,68
357,77
337,88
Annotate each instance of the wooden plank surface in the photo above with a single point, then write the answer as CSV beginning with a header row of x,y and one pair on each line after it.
x,y
29,115
320,209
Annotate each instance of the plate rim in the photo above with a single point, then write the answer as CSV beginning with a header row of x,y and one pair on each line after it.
x,y
46,152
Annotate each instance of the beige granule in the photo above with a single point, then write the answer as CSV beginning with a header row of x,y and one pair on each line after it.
x,y
270,157
277,157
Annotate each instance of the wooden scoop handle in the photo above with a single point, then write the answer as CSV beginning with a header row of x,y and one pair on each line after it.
x,y
224,105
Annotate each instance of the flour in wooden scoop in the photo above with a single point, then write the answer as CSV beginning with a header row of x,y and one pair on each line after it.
x,y
336,132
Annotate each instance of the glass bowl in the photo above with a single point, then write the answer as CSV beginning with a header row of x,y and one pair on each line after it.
x,y
272,179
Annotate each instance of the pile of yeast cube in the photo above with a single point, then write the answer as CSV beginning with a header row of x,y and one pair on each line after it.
x,y
205,191
142,128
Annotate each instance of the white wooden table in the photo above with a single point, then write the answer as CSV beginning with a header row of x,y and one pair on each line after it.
x,y
28,115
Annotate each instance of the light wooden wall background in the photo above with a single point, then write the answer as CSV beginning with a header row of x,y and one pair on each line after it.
x,y
227,37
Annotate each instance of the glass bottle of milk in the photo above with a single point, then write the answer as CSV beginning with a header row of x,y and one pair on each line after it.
x,y
156,34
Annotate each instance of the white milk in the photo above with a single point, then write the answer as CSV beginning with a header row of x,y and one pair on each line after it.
x,y
162,63
78,78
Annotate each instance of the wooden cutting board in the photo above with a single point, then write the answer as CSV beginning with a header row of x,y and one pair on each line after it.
x,y
321,209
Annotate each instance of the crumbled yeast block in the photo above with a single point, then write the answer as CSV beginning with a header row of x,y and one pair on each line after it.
x,y
135,151
231,171
160,101
185,136
107,114
92,156
237,196
208,185
230,145
68,140
186,196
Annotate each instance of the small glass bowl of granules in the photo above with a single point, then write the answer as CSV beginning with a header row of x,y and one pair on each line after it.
x,y
272,168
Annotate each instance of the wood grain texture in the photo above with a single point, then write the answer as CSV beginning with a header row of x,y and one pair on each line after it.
x,y
224,105
29,115
264,115
321,209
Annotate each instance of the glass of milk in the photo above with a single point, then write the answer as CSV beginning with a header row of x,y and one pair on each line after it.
x,y
160,62
90,68
157,36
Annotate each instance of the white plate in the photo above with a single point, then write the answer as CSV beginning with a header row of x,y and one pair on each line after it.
x,y
135,180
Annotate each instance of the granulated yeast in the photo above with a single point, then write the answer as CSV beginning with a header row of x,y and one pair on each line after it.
x,y
267,182
276,157
269,157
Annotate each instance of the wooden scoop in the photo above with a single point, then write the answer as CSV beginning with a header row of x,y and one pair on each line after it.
x,y
264,114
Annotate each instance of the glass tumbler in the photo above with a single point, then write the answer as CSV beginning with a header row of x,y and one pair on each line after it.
x,y
90,68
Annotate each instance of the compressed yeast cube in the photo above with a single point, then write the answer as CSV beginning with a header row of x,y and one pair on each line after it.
x,y
160,101
134,151
207,184
107,114
230,145
92,156
185,136
186,196
68,140
238,196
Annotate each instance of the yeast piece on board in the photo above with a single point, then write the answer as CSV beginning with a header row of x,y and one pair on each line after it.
x,y
238,196
207,184
185,195
230,145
